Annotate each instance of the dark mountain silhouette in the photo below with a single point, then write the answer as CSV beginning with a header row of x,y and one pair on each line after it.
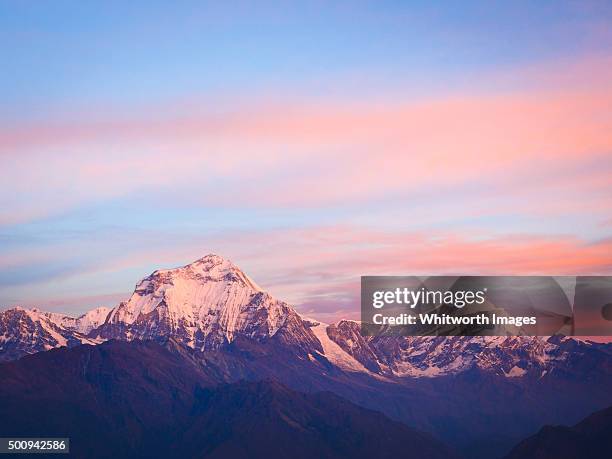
x,y
266,419
127,396
482,413
142,399
589,439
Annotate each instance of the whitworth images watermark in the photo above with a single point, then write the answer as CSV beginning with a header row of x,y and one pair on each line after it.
x,y
486,305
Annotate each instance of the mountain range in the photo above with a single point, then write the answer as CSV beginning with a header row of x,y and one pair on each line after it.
x,y
481,395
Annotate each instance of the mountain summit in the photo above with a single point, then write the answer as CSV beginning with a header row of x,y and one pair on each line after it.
x,y
205,304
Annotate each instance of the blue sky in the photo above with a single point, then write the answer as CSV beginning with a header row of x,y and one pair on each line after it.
x,y
66,55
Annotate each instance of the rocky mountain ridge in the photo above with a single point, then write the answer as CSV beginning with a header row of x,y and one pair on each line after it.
x,y
209,303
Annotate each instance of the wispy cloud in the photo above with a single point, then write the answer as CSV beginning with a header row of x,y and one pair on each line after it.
x,y
315,152
510,178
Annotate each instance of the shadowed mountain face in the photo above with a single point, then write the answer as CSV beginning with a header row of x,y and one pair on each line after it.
x,y
126,396
589,439
141,399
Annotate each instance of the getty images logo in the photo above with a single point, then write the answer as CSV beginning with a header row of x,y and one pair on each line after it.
x,y
486,305
411,298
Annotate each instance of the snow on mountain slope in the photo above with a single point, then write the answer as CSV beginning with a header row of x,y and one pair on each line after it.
x,y
334,353
82,324
91,319
26,331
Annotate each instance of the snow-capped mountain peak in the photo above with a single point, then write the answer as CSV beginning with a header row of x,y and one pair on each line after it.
x,y
205,304
216,268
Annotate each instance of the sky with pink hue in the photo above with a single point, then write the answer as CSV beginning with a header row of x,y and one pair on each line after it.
x,y
310,145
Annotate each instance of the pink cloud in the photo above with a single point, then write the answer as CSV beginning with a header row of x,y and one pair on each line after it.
x,y
317,272
316,152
